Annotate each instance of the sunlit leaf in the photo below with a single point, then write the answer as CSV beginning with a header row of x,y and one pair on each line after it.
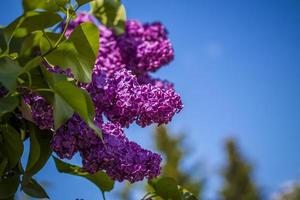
x,y
79,52
48,5
166,188
111,13
100,179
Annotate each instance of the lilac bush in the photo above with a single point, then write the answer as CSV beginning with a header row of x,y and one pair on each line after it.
x,y
123,92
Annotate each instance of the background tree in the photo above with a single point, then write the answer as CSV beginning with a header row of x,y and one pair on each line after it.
x,y
291,193
238,183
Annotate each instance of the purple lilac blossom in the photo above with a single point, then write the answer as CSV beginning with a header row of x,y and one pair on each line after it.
x,y
124,92
3,91
41,110
119,157
146,47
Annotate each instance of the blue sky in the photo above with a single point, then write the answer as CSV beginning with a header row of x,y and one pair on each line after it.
x,y
237,67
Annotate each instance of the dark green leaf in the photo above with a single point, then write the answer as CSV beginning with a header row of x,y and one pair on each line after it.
x,y
40,150
2,41
9,71
3,164
11,145
31,64
111,13
82,2
100,179
49,5
166,188
62,111
34,189
79,52
9,186
8,104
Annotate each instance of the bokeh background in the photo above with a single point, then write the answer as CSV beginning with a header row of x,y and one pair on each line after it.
x,y
237,68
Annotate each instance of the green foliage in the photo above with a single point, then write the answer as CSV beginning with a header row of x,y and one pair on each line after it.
x,y
110,13
238,184
100,179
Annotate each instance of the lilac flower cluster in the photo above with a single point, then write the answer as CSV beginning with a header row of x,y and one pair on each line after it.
x,y
122,159
146,47
124,92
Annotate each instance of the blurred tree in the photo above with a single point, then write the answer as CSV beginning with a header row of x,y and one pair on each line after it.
x,y
292,193
238,184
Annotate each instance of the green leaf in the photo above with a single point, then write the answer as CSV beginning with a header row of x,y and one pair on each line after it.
x,y
62,111
79,52
78,99
34,189
9,70
100,179
186,195
111,13
82,2
3,165
25,110
11,145
9,186
62,3
2,41
31,64
40,150
8,104
10,30
166,188
48,5
36,21
30,43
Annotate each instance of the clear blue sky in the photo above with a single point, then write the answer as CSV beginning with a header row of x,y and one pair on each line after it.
x,y
237,68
